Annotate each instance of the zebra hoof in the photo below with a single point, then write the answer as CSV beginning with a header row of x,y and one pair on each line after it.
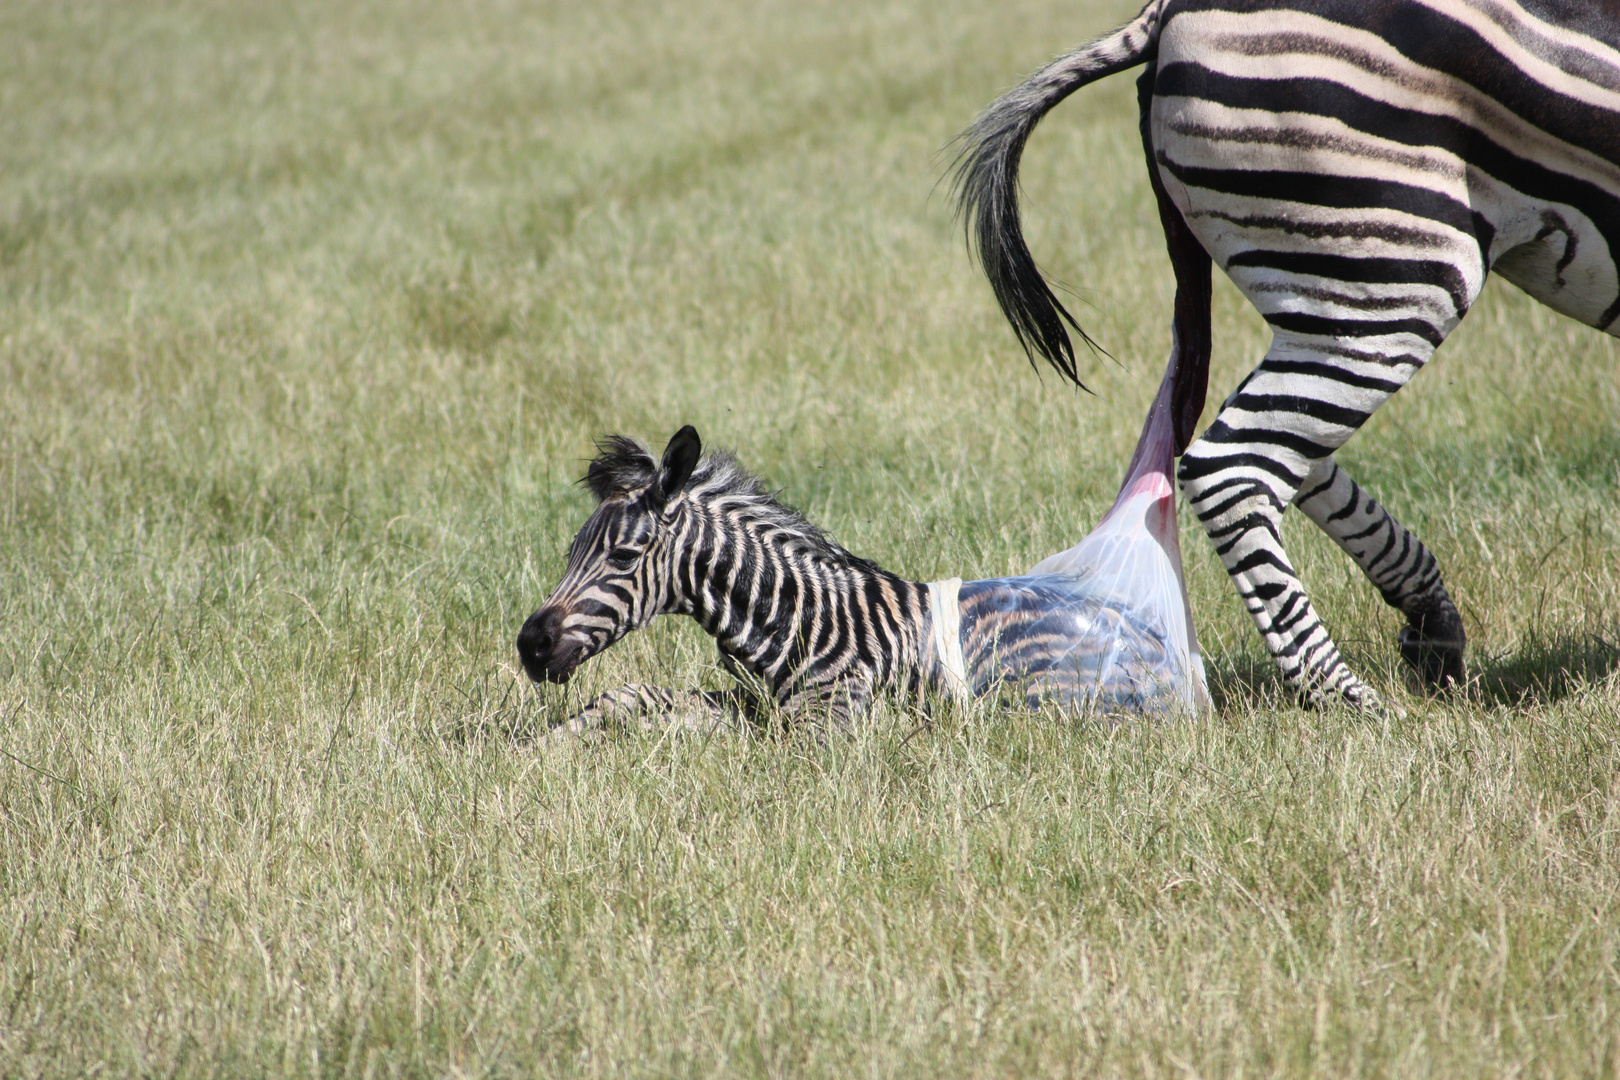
x,y
1438,662
1432,643
1370,703
1356,696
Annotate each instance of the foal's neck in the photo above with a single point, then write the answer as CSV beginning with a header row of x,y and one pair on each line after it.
x,y
788,603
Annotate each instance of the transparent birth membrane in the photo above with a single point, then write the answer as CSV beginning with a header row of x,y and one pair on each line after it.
x,y
1056,639
1103,625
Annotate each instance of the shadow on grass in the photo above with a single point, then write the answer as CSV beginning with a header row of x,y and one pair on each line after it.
x,y
1248,682
1544,669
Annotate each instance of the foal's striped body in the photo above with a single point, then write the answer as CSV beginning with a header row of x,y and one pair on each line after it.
x,y
800,621
817,628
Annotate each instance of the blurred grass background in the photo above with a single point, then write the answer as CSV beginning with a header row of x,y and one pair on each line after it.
x,y
309,314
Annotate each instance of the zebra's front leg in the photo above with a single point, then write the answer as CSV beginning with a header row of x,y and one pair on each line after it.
x,y
834,706
1404,571
658,708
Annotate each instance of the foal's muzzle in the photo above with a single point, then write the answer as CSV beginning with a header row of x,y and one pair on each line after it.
x,y
546,655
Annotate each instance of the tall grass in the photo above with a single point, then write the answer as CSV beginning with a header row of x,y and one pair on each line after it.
x,y
308,316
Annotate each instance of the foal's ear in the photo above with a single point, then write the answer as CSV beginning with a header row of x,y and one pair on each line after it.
x,y
680,458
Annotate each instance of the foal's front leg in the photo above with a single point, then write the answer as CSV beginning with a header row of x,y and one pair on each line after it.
x,y
658,708
834,706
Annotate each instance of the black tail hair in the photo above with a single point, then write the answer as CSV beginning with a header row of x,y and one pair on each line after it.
x,y
985,180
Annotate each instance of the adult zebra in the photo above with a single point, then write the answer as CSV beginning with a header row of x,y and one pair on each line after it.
x,y
1356,167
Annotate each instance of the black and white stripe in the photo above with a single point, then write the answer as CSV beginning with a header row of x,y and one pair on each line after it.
x,y
1356,167
791,610
815,628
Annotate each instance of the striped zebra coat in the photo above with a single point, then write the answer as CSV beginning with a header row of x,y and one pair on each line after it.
x,y
795,616
805,624
1356,167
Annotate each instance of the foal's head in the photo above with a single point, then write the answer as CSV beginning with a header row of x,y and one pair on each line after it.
x,y
609,588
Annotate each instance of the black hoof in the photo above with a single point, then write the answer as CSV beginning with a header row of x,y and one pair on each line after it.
x,y
1432,643
1438,662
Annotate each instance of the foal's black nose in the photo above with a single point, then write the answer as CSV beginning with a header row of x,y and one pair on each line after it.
x,y
536,641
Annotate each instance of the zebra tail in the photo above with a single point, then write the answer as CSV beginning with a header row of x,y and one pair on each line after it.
x,y
985,182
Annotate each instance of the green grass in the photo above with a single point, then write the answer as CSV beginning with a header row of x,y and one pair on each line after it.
x,y
308,316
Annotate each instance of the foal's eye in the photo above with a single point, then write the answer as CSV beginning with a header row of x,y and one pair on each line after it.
x,y
623,558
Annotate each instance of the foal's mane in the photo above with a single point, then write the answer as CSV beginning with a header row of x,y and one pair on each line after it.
x,y
623,467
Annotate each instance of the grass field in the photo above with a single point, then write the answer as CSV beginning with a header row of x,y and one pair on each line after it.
x,y
309,314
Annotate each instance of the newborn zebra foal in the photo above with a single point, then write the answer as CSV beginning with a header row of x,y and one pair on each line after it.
x,y
817,629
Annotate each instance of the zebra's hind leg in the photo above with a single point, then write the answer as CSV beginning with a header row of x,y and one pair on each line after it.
x,y
1298,407
1242,515
658,708
1404,571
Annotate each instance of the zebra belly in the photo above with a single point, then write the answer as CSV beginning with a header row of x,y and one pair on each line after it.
x,y
1054,639
1555,266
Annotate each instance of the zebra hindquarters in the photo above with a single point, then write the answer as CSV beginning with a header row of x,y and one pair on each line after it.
x,y
1347,218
